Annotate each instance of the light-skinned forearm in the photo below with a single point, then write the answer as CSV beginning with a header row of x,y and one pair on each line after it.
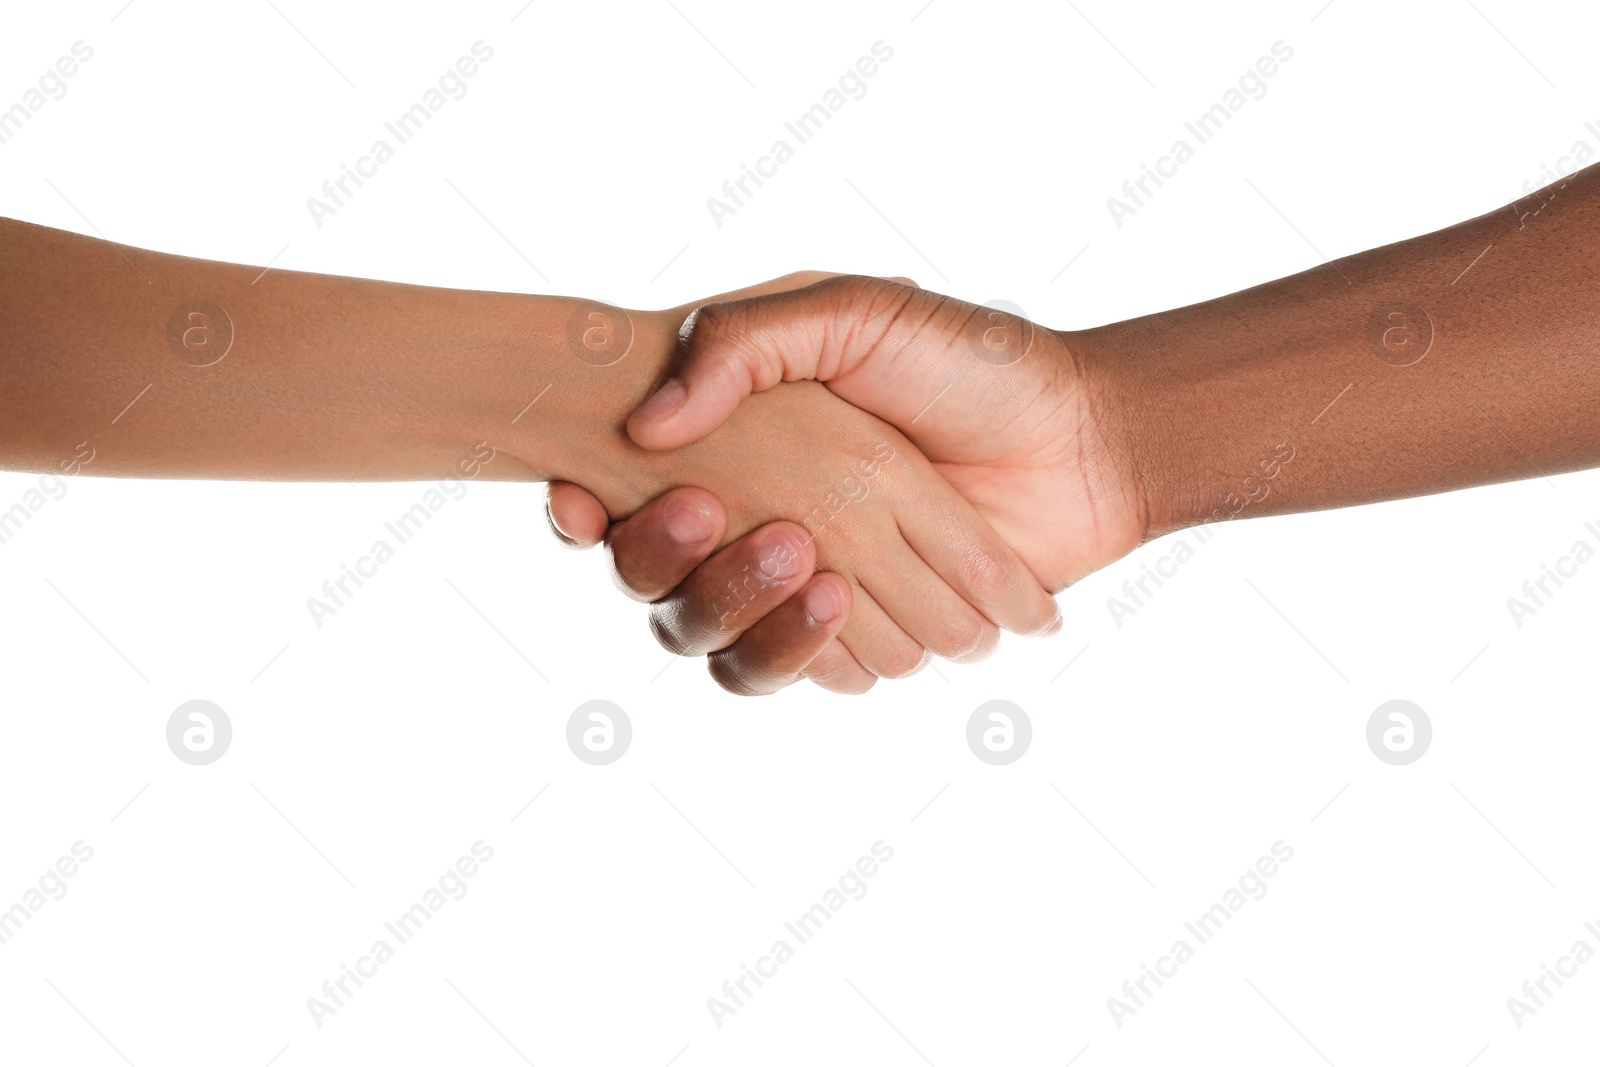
x,y
174,367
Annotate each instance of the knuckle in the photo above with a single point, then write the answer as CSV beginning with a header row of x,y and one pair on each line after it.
x,y
988,576
965,638
952,639
903,661
986,644
836,670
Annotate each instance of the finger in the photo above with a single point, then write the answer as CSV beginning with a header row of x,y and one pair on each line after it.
x,y
732,349
575,516
837,671
773,653
983,570
877,641
658,546
734,590
928,610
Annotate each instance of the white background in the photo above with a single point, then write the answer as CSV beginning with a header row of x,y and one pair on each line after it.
x,y
1226,715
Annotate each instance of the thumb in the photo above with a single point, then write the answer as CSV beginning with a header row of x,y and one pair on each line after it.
x,y
731,349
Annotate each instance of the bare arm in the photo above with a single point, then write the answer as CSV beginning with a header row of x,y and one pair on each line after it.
x,y
1459,358
177,367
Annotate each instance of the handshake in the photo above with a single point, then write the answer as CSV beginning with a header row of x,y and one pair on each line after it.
x,y
829,477
946,466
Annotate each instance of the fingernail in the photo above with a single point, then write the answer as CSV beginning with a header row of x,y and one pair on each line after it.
x,y
823,602
684,524
780,558
666,401
1055,627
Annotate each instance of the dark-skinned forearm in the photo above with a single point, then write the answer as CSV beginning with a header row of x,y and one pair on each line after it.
x,y
1459,358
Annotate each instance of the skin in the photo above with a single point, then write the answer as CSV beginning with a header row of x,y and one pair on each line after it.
x,y
1459,358
340,378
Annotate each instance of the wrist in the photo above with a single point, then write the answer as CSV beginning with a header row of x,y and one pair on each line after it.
x,y
558,388
1197,425
1113,410
1146,416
